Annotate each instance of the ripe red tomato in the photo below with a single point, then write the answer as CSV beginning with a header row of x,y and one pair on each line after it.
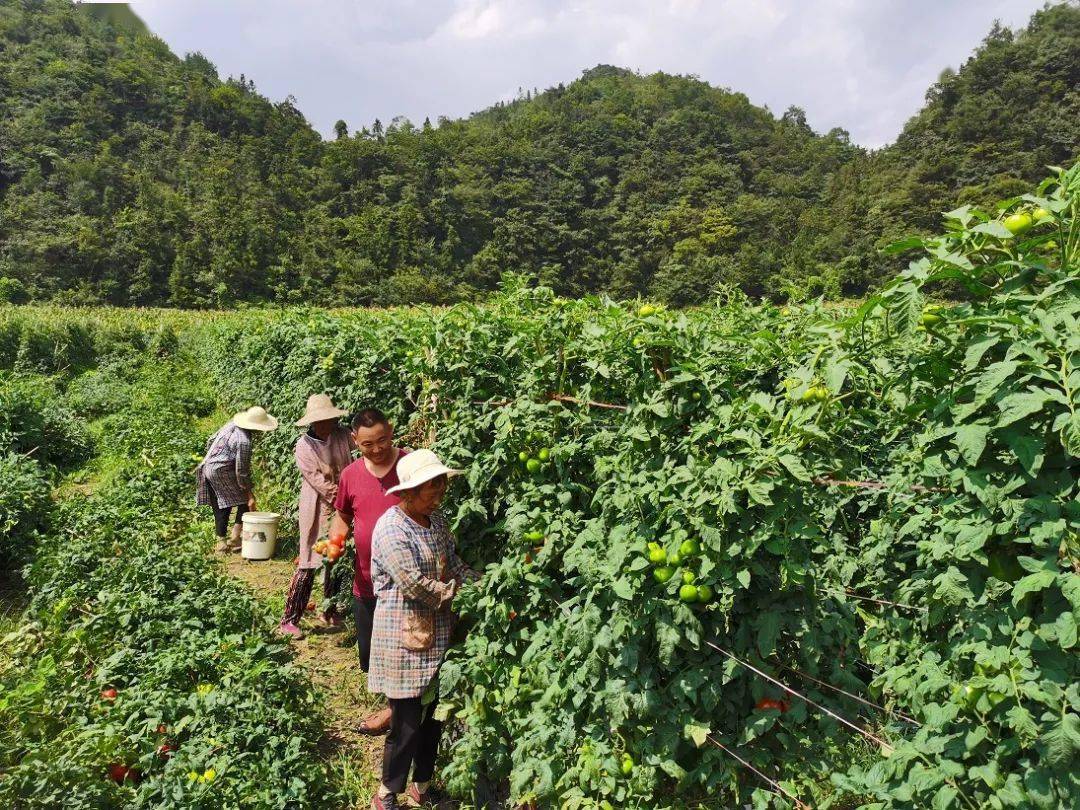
x,y
310,606
513,615
119,773
163,729
771,703
337,539
165,750
108,694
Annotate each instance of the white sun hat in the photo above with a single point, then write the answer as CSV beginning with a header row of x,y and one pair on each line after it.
x,y
255,418
319,409
419,467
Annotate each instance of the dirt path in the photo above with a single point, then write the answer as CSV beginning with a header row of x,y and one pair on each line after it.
x,y
330,659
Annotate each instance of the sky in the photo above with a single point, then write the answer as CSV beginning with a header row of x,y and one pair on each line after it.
x,y
863,65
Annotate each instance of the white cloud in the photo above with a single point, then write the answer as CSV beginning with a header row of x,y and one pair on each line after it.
x,y
861,65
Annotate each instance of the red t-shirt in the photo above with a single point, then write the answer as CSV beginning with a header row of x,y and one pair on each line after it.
x,y
362,497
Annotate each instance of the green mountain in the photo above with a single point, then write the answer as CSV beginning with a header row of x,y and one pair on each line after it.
x,y
131,176
119,15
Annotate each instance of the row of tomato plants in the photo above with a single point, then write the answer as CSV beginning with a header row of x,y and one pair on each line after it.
x,y
897,451
141,675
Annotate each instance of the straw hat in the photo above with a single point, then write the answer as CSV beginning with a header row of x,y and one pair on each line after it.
x,y
319,408
255,418
419,467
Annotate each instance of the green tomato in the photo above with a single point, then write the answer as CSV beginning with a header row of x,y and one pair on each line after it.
x,y
534,536
533,465
663,574
928,319
689,548
1040,214
688,593
674,558
1018,223
657,556
544,454
688,577
645,310
523,456
696,396
704,593
966,695
627,765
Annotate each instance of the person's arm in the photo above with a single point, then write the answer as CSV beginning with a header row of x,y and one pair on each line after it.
x,y
458,569
340,524
311,471
393,551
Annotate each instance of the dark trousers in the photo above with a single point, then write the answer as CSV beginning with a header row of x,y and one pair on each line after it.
x,y
363,609
412,743
221,514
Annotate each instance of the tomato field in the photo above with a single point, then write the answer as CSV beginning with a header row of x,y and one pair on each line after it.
x,y
734,555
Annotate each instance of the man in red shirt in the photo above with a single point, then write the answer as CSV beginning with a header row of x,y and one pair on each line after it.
x,y
360,502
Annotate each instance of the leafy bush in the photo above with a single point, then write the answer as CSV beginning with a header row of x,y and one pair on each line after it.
x,y
125,599
35,422
24,496
913,455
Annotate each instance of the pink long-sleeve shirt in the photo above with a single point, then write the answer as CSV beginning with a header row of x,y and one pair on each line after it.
x,y
320,463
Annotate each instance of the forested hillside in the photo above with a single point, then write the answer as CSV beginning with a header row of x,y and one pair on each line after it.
x,y
129,175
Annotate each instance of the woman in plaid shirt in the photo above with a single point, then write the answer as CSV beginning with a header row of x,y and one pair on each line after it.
x,y
223,479
416,573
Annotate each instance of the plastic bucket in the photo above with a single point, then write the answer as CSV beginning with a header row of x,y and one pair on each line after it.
x,y
259,535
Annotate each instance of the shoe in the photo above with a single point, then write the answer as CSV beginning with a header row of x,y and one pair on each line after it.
x,y
290,629
387,802
222,545
432,797
377,724
331,619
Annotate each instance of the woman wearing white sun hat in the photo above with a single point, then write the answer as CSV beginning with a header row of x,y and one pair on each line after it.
x,y
224,476
416,573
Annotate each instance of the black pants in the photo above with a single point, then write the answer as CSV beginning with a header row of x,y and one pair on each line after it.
x,y
363,610
412,743
221,514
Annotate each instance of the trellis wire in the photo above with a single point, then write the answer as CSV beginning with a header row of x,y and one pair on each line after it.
x,y
886,747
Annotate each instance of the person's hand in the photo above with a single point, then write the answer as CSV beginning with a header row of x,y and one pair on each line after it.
x,y
251,503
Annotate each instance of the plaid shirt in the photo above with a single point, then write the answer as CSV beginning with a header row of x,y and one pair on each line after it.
x,y
415,572
226,468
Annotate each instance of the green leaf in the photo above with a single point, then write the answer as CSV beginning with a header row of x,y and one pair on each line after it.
x,y
944,798
768,630
1070,435
1062,740
794,466
1017,406
971,441
1066,630
744,578
697,733
1032,583
623,589
1021,721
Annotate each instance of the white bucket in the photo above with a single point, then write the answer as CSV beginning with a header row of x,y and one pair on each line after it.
x,y
259,536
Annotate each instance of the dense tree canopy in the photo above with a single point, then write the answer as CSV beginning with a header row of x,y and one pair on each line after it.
x,y
129,175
